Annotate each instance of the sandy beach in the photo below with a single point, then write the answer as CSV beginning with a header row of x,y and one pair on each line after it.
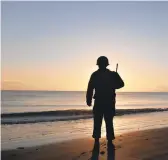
x,y
140,145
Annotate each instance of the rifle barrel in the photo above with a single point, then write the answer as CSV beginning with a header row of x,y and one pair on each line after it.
x,y
116,67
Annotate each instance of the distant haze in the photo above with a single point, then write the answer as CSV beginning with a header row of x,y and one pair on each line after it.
x,y
55,45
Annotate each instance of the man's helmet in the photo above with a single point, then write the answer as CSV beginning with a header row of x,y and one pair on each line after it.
x,y
102,61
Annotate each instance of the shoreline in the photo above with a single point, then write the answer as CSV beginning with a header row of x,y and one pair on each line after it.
x,y
66,115
36,134
148,144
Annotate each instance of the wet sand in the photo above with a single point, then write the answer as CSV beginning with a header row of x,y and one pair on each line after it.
x,y
140,145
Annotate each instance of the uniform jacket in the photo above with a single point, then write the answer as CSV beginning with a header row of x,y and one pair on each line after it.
x,y
103,84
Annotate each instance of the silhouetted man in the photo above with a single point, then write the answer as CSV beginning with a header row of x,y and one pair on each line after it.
x,y
103,82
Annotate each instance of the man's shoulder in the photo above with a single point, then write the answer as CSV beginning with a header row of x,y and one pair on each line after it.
x,y
98,72
111,72
94,73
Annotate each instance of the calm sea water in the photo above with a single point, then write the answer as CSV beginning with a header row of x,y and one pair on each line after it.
x,y
23,110
19,107
32,101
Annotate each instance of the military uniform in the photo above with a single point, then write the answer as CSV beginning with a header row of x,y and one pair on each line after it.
x,y
103,83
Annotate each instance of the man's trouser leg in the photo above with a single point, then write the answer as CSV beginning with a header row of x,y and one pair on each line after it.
x,y
98,116
108,117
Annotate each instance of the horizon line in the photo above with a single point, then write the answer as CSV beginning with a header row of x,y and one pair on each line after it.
x,y
82,91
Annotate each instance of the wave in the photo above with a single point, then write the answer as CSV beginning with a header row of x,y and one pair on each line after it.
x,y
64,115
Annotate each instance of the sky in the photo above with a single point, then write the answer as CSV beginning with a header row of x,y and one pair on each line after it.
x,y
55,45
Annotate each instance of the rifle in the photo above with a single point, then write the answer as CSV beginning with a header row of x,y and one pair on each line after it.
x,y
116,67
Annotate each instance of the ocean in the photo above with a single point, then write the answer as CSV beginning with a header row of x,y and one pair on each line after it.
x,y
40,106
31,118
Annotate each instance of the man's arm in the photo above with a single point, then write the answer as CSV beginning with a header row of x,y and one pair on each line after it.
x,y
89,93
119,83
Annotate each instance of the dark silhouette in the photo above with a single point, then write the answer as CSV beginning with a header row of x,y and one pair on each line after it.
x,y
110,151
103,82
95,151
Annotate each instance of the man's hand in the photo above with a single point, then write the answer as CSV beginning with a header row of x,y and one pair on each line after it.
x,y
89,103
